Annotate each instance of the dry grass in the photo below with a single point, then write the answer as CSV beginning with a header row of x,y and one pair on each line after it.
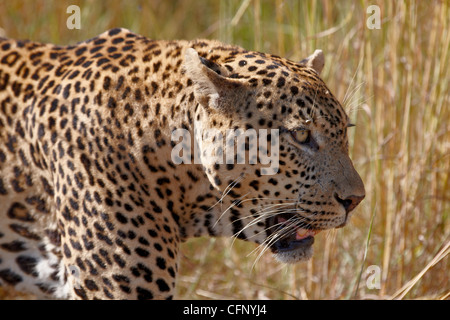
x,y
395,85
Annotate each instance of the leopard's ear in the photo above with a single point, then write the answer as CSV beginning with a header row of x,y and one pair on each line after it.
x,y
211,89
315,61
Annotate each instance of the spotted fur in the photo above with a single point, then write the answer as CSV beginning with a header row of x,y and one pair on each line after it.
x,y
92,206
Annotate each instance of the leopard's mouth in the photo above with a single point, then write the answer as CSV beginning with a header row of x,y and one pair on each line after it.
x,y
291,241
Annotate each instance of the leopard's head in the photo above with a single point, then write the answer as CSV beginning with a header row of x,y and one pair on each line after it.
x,y
293,177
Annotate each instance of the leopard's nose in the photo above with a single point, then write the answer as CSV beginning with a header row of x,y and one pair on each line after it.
x,y
350,202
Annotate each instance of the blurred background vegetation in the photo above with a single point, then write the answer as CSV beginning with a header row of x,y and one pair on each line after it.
x,y
394,84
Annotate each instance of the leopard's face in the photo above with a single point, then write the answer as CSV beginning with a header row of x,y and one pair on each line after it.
x,y
306,181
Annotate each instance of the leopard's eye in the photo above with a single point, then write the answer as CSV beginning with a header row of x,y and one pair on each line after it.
x,y
301,136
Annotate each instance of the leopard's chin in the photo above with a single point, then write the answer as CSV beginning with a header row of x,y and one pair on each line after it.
x,y
302,252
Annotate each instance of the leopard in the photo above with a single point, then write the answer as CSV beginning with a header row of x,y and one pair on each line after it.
x,y
94,202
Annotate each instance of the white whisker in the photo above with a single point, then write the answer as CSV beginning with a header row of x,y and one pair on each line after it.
x,y
228,189
234,203
351,82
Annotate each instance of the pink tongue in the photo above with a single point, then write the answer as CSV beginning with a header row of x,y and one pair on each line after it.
x,y
302,234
